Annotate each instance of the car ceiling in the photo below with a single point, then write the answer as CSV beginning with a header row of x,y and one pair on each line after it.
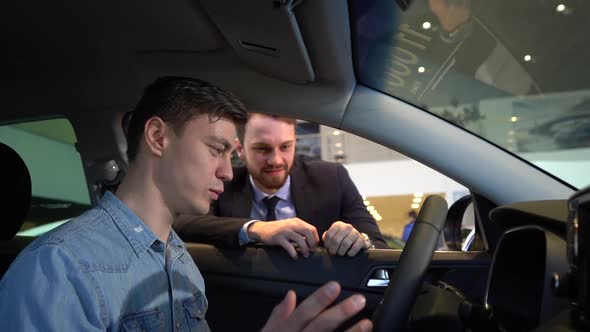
x,y
76,56
90,61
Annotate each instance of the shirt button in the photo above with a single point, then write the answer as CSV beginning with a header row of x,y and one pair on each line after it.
x,y
178,325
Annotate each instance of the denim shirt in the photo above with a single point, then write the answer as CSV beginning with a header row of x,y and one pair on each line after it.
x,y
104,270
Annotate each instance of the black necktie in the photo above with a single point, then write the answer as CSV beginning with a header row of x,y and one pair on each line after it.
x,y
271,203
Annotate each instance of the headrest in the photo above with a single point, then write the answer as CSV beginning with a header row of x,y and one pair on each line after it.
x,y
15,192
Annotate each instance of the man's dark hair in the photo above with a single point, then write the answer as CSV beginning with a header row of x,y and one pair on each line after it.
x,y
242,129
412,214
177,100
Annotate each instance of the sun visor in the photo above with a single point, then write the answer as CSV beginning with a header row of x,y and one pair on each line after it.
x,y
265,35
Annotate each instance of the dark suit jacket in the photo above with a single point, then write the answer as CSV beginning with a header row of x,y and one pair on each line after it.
x,y
322,193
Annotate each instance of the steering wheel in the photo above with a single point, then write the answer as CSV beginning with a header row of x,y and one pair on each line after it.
x,y
393,312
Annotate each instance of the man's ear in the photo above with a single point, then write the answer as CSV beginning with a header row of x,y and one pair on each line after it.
x,y
239,149
155,135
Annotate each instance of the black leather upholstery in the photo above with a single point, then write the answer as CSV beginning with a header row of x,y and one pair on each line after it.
x,y
15,193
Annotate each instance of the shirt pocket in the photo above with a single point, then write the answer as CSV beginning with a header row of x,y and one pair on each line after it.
x,y
150,320
195,309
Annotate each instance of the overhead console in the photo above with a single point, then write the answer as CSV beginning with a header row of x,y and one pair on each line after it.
x,y
265,35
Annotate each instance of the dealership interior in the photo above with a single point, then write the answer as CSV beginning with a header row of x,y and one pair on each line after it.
x,y
391,184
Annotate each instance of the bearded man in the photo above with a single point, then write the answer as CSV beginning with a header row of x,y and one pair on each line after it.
x,y
278,198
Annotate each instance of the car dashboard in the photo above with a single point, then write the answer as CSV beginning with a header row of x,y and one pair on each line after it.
x,y
519,292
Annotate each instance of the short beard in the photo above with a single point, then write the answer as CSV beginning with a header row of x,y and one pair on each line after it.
x,y
273,183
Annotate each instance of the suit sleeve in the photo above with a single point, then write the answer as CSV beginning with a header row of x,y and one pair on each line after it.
x,y
354,211
222,232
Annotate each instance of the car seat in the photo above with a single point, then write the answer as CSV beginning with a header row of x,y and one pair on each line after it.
x,y
15,196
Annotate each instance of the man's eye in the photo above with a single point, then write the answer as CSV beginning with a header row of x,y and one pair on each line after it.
x,y
217,151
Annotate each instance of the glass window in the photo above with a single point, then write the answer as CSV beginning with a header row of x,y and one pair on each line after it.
x,y
57,175
392,185
508,71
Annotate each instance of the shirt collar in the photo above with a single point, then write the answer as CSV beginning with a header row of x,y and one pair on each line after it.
x,y
283,193
133,228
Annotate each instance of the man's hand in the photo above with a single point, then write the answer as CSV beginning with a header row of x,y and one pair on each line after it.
x,y
292,234
341,238
312,315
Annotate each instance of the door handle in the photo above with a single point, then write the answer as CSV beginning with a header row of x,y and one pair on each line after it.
x,y
379,279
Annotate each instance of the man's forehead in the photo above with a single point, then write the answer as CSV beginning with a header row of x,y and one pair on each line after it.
x,y
266,137
268,128
258,119
215,120
219,127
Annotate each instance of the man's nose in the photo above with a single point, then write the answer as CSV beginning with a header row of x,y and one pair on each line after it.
x,y
274,158
225,171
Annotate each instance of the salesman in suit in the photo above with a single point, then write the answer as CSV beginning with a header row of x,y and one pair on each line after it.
x,y
278,198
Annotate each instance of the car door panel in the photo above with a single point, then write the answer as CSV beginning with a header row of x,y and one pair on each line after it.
x,y
244,285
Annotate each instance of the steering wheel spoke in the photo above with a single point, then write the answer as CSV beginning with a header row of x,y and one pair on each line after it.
x,y
393,312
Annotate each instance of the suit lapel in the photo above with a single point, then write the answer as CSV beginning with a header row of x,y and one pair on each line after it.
x,y
242,201
239,200
302,194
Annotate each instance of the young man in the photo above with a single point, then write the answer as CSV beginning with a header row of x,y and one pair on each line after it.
x,y
309,197
120,266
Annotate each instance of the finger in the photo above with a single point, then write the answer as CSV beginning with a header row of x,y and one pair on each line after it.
x,y
311,237
288,246
313,305
337,239
344,231
364,325
308,237
358,245
347,242
314,233
309,231
329,242
281,312
300,242
330,319
285,308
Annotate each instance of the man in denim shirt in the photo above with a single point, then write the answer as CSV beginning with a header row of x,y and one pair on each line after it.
x,y
120,266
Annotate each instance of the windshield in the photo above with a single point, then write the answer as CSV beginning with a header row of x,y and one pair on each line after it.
x,y
513,72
